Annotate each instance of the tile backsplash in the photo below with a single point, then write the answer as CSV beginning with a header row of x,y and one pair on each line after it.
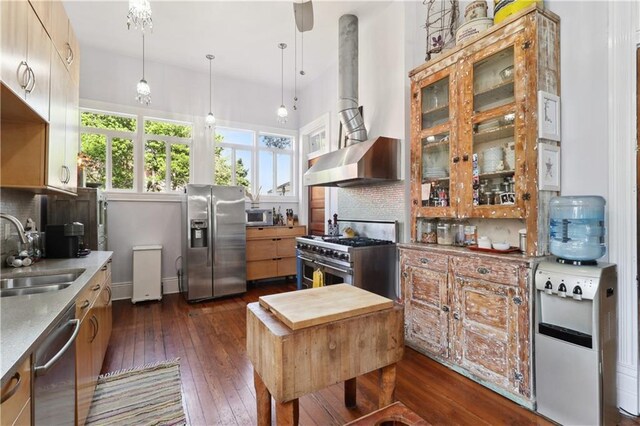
x,y
383,201
22,205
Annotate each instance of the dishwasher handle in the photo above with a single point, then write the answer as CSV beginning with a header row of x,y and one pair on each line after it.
x,y
44,369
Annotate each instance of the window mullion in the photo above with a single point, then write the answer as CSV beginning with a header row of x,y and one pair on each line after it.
x,y
167,162
108,164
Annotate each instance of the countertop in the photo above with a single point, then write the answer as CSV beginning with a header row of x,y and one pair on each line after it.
x,y
438,248
26,320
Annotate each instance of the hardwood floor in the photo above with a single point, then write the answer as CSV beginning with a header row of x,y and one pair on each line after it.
x,y
217,377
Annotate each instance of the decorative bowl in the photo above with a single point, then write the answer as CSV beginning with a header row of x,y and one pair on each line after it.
x,y
507,73
501,246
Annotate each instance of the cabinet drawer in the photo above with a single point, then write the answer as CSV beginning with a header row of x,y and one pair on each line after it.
x,y
486,269
286,247
423,259
291,231
259,269
287,266
261,249
88,295
261,232
17,391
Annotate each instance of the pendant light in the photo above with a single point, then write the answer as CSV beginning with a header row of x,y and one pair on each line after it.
x,y
210,120
139,14
282,111
143,89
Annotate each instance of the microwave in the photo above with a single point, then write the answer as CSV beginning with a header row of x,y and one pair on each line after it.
x,y
259,217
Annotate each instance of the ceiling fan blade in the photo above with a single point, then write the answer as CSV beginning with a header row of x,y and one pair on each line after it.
x,y
303,13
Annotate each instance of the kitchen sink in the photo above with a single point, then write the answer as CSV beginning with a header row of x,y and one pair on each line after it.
x,y
42,283
21,291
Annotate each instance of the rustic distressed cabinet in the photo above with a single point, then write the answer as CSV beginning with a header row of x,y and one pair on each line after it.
x,y
474,125
471,312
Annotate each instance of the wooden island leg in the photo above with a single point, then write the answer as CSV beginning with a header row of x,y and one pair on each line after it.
x,y
263,400
387,385
350,393
287,413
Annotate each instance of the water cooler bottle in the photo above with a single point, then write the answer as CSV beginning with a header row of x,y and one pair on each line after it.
x,y
576,343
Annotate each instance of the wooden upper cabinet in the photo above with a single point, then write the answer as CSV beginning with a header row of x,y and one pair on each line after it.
x,y
43,10
72,135
25,55
73,60
56,152
59,30
474,139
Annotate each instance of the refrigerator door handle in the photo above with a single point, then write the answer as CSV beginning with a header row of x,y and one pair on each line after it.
x,y
215,231
209,237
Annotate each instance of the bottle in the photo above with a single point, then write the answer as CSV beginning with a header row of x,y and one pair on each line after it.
x,y
576,229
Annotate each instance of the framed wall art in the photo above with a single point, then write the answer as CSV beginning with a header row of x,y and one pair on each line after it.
x,y
548,116
548,167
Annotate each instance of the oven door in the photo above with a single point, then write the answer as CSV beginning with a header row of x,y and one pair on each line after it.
x,y
333,274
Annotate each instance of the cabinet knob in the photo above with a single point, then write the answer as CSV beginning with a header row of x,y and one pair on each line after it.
x,y
482,270
424,260
456,316
465,157
445,308
405,275
456,159
517,300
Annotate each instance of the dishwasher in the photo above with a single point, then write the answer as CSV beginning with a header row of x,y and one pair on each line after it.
x,y
54,386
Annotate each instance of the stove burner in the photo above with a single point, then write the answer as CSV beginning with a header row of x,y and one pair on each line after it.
x,y
357,242
577,262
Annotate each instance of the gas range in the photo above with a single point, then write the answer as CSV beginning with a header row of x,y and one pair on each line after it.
x,y
336,248
368,261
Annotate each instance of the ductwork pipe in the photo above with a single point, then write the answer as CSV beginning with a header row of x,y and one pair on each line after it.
x,y
348,111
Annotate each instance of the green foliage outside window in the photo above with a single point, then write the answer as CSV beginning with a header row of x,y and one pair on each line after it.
x,y
122,163
223,168
94,157
155,166
107,121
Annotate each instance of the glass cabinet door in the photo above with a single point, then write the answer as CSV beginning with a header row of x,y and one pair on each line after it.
x,y
434,145
493,137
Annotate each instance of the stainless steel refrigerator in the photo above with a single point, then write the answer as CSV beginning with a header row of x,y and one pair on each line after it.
x,y
213,242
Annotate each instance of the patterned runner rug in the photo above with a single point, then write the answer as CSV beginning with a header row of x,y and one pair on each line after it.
x,y
147,395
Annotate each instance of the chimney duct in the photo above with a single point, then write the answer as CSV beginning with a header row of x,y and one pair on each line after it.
x,y
348,111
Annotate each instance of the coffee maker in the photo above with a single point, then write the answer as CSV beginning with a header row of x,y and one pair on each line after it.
x,y
64,241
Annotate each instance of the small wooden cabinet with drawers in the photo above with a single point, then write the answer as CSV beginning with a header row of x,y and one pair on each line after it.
x,y
271,251
15,408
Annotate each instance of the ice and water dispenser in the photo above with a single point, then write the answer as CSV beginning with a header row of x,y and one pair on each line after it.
x,y
575,318
199,233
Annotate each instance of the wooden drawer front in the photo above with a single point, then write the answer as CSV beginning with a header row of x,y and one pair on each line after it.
x,y
24,418
261,249
286,247
292,231
20,386
486,269
287,266
261,232
89,294
436,262
259,269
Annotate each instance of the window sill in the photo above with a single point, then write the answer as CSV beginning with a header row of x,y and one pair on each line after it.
x,y
153,197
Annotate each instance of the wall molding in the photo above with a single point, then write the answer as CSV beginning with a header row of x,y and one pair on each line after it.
x,y
623,193
124,290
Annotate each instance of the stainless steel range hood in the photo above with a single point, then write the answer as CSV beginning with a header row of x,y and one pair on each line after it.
x,y
372,161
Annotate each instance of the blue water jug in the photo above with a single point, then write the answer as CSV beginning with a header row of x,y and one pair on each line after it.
x,y
577,227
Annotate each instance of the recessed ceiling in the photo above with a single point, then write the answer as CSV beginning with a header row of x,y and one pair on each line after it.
x,y
243,35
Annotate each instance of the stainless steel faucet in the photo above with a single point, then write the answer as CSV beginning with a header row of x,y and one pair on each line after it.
x,y
16,222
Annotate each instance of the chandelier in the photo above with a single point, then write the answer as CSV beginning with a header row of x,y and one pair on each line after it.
x,y
143,89
282,111
210,120
139,14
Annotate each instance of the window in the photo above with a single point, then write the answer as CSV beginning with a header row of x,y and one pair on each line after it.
x,y
107,149
261,162
233,157
166,155
276,164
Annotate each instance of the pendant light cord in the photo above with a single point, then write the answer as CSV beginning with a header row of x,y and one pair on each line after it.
x,y
210,104
295,61
282,76
143,56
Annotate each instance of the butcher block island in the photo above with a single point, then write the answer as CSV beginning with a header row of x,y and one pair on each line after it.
x,y
303,341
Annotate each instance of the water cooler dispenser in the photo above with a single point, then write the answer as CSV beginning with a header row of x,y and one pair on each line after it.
x,y
576,343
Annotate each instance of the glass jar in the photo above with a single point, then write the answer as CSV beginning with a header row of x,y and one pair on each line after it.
x,y
445,234
427,231
470,235
457,229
